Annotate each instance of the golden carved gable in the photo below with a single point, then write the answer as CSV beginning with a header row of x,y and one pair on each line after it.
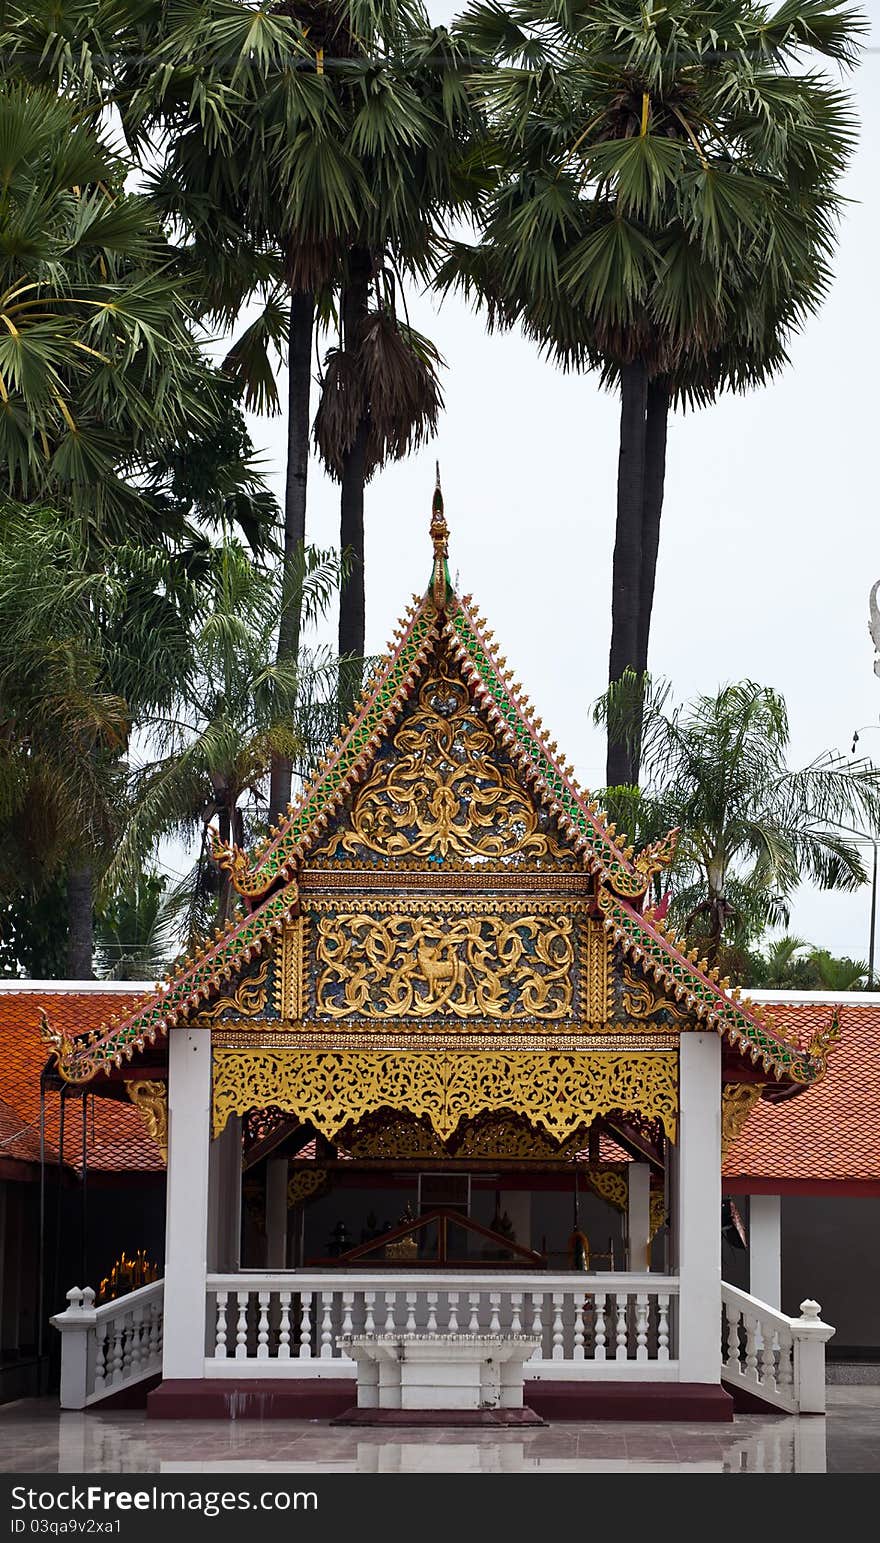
x,y
444,790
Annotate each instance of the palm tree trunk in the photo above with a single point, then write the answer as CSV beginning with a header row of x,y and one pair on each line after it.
x,y
627,565
656,420
80,923
352,604
302,318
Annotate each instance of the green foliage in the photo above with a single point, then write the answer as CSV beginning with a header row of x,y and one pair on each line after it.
x,y
136,931
209,744
751,828
670,180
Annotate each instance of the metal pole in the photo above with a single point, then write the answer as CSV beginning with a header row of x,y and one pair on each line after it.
x,y
873,921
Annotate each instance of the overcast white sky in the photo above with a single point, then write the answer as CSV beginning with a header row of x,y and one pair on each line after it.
x,y
770,536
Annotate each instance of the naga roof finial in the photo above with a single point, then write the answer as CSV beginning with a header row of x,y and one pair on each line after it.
x,y
440,539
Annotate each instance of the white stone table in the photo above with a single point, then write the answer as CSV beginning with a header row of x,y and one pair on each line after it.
x,y
440,1371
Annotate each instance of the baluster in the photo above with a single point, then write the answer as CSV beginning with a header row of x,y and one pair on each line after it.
x,y
327,1324
347,1309
768,1358
305,1326
558,1352
100,1356
220,1351
137,1329
580,1298
663,1326
432,1312
474,1305
641,1326
410,1312
390,1304
284,1326
516,1298
599,1307
494,1312
154,1320
785,1373
126,1335
159,1321
752,1348
620,1351
452,1300
537,1324
263,1326
241,1327
732,1314
116,1352
369,1303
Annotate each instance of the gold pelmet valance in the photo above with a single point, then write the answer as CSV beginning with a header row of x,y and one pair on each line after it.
x,y
558,1092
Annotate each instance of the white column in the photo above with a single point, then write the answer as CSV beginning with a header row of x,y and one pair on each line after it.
x,y
638,1230
276,1213
186,1227
698,1208
224,1198
765,1248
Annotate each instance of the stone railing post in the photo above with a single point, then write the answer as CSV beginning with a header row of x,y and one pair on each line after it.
x,y
77,1328
810,1336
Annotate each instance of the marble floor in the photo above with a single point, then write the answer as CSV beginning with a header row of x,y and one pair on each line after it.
x,y
35,1437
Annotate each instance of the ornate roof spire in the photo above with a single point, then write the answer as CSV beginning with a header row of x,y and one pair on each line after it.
x,y
440,583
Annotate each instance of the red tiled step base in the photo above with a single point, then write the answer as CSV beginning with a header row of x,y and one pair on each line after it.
x,y
447,1418
694,1401
268,1399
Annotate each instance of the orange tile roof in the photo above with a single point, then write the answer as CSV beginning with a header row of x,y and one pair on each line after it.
x,y
116,1138
830,1131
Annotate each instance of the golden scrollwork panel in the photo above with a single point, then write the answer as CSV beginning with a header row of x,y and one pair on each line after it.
x,y
446,960
445,789
559,1093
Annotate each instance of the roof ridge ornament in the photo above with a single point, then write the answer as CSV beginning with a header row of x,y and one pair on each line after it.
x,y
440,582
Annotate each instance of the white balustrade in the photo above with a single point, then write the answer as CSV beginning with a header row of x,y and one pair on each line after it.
x,y
780,1360
569,1312
110,1347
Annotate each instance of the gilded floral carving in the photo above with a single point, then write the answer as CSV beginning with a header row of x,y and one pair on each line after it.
x,y
445,790
558,1092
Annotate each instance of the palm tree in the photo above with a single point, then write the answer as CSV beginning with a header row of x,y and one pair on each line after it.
x,y
210,747
313,163
783,958
136,931
751,828
839,974
667,216
99,364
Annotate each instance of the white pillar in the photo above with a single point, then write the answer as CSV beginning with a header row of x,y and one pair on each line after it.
x,y
186,1227
276,1213
638,1230
224,1198
765,1248
698,1208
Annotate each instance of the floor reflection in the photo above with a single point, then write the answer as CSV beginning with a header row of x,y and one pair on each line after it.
x,y
35,1437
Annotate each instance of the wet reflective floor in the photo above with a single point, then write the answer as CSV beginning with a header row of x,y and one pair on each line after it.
x,y
35,1437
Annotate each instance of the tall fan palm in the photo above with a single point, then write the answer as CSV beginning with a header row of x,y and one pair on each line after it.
x,y
667,215
309,152
751,828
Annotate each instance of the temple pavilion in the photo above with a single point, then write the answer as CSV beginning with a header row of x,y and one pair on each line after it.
x,y
446,1094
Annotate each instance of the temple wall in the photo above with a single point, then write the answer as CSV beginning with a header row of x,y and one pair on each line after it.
x,y
831,1251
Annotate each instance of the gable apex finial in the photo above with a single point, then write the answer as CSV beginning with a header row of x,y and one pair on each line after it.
x,y
440,540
